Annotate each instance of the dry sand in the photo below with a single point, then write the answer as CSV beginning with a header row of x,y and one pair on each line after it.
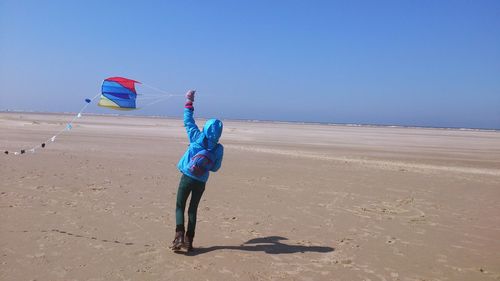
x,y
291,202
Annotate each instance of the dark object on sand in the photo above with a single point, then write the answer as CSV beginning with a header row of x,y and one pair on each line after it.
x,y
43,145
22,151
6,152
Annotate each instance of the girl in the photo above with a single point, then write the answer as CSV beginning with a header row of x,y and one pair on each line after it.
x,y
204,154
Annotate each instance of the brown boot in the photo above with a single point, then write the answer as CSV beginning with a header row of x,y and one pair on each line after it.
x,y
188,244
178,241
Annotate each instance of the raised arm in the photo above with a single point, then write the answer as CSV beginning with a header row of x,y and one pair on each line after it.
x,y
192,129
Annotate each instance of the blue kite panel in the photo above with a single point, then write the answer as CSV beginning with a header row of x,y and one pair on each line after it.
x,y
125,103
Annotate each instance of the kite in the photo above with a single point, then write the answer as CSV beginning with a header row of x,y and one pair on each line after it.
x,y
118,93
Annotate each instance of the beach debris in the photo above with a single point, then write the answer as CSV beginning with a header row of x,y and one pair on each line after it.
x,y
43,145
6,152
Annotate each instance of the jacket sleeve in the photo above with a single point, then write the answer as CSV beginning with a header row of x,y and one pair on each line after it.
x,y
192,129
218,161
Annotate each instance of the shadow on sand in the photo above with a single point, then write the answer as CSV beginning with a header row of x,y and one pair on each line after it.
x,y
268,245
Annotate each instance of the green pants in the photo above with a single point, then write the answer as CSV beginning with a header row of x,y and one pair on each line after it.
x,y
188,185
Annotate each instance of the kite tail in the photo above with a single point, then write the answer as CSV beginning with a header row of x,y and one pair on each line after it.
x,y
68,127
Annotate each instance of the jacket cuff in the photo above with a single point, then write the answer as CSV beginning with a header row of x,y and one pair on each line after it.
x,y
189,105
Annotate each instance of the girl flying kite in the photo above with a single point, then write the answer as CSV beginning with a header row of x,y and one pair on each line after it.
x,y
204,154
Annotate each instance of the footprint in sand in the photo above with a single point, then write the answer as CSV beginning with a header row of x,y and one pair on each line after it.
x,y
391,240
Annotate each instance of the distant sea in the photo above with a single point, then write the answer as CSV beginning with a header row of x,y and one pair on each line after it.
x,y
265,120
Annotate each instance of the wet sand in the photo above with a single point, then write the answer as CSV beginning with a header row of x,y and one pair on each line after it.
x,y
291,202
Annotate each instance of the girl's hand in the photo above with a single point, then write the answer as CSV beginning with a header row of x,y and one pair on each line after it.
x,y
189,99
190,95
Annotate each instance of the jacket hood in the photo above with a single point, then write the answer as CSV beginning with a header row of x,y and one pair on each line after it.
x,y
213,130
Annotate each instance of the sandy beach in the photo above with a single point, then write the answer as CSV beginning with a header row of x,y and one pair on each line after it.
x,y
291,202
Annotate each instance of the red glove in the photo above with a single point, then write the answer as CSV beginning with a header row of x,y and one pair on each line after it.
x,y
190,99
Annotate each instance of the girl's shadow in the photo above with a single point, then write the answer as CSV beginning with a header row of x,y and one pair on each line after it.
x,y
268,245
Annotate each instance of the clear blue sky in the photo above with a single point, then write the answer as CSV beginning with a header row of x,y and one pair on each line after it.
x,y
427,63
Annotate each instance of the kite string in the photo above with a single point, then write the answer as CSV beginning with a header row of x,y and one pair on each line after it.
x,y
155,97
158,100
162,91
148,97
156,89
165,95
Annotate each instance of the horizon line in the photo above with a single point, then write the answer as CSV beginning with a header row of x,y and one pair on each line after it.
x,y
264,120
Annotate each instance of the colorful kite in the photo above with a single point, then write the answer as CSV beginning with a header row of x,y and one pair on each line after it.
x,y
118,93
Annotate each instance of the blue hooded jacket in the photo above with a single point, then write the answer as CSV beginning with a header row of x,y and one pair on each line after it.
x,y
207,139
